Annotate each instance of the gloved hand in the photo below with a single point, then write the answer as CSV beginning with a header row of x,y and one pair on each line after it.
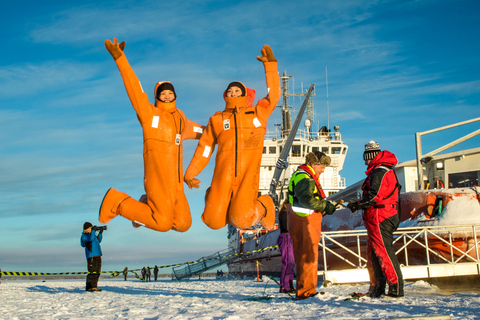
x,y
192,183
115,49
267,54
353,206
329,208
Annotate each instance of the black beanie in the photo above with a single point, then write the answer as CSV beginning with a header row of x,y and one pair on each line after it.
x,y
237,84
371,150
165,86
87,225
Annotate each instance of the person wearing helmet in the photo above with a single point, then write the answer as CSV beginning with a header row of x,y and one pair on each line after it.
x,y
239,131
165,206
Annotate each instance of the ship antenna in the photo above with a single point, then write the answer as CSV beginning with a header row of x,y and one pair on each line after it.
x,y
328,110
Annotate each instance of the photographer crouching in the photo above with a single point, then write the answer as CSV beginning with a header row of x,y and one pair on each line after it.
x,y
93,252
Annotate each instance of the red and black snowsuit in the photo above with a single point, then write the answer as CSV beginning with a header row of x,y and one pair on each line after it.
x,y
379,202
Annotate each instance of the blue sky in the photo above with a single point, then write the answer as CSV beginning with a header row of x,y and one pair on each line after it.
x,y
68,131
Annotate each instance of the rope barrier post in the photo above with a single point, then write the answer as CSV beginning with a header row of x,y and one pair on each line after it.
x,y
258,272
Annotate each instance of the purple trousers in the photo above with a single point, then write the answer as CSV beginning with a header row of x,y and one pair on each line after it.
x,y
288,261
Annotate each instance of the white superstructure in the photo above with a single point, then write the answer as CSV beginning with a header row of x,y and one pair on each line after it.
x,y
312,137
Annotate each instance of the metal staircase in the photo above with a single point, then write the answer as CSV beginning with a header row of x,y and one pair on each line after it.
x,y
194,268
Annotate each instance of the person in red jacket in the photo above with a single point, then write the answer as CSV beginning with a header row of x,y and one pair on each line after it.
x,y
239,131
165,206
380,214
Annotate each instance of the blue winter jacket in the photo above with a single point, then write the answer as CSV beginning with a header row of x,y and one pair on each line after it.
x,y
91,243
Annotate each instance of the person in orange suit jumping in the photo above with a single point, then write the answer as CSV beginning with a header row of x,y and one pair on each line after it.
x,y
239,131
164,129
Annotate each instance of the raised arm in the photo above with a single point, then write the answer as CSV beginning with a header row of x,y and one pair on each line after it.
x,y
272,78
138,98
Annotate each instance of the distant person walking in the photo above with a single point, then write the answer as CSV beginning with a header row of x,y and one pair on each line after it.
x,y
93,252
155,272
381,218
125,273
147,274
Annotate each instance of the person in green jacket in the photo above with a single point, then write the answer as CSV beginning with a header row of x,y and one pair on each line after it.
x,y
307,206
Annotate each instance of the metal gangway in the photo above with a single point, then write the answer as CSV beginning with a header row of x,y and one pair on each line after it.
x,y
423,253
203,264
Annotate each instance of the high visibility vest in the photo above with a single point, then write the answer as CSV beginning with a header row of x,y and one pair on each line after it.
x,y
296,207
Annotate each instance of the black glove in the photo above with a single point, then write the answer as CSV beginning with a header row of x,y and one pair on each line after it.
x,y
353,206
329,208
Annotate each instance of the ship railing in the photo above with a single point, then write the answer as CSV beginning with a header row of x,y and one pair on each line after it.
x,y
424,252
304,134
339,184
271,160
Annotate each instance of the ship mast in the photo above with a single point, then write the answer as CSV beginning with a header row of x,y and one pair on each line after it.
x,y
286,119
328,111
286,113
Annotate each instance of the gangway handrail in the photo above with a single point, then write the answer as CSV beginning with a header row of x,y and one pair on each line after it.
x,y
201,265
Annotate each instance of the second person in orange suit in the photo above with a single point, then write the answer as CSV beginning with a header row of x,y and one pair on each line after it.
x,y
239,131
164,129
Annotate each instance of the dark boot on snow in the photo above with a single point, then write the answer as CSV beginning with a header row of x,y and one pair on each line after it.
x,y
376,291
395,291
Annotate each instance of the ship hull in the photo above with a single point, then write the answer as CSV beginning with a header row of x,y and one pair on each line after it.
x,y
435,208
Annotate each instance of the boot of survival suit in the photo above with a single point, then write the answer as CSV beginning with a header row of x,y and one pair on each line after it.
x,y
110,204
119,203
262,211
268,221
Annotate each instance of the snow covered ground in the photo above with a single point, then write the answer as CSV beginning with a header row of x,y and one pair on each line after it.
x,y
220,299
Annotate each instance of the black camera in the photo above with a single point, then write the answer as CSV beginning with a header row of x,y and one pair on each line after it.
x,y
99,228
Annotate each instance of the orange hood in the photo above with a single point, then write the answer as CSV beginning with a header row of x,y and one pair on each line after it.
x,y
240,102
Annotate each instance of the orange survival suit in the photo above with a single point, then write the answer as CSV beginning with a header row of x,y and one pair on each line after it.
x,y
164,128
239,131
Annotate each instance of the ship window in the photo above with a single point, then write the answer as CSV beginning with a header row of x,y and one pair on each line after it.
x,y
325,150
296,150
272,150
315,149
264,150
305,150
270,168
463,179
336,150
281,148
344,151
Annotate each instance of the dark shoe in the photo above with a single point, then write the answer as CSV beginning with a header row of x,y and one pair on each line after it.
x,y
287,291
376,291
395,291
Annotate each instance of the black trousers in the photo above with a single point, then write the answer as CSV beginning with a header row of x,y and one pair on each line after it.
x,y
94,267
